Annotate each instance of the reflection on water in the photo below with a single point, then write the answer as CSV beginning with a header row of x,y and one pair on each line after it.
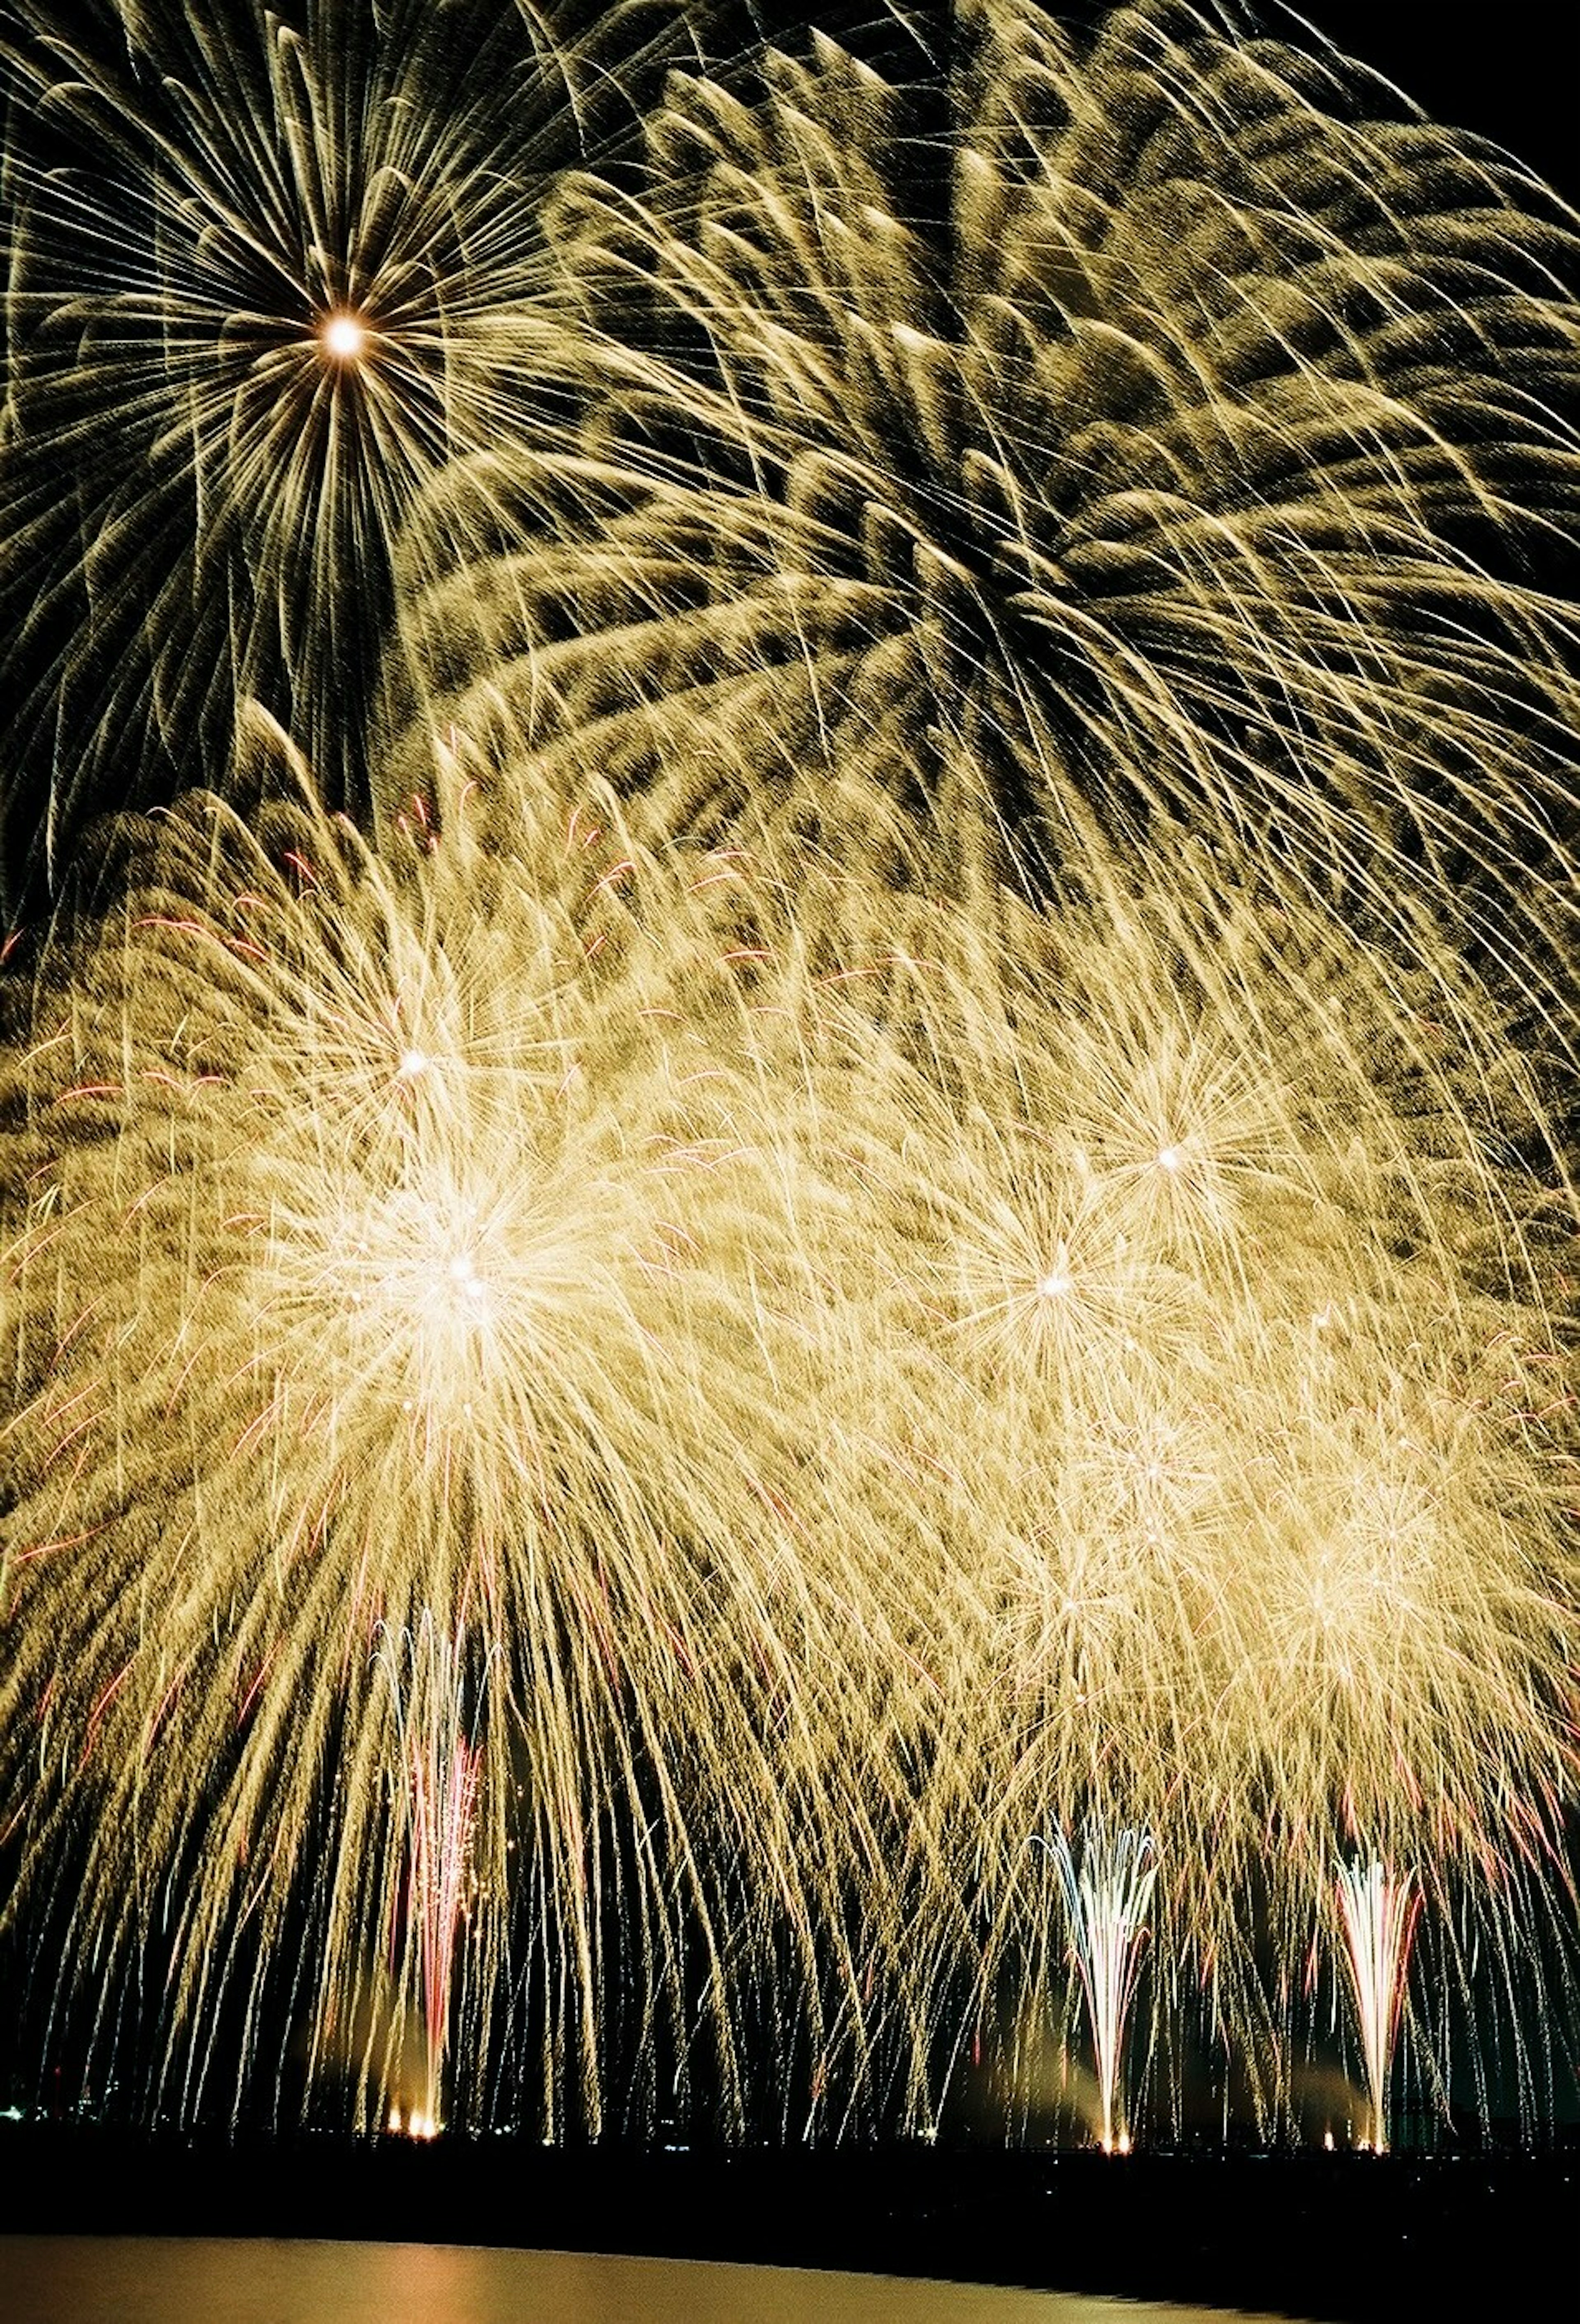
x,y
133,2279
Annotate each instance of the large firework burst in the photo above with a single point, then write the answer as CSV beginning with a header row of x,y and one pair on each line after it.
x,y
587,1382
268,270
1137,428
1229,1367
613,1408
415,1355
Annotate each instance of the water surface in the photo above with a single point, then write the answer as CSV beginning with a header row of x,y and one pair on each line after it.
x,y
160,2280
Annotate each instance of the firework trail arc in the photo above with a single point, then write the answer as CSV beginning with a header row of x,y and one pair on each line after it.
x,y
268,271
1203,462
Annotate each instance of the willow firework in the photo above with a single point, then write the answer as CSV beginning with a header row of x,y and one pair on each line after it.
x,y
414,1362
1232,1259
562,1389
1132,432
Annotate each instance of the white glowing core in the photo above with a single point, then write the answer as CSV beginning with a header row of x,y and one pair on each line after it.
x,y
343,337
1056,1283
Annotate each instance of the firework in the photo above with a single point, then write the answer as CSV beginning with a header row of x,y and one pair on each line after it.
x,y
1230,1264
1177,459
422,1259
1107,1897
1106,516
268,271
576,1389
1378,1918
617,1394
443,1764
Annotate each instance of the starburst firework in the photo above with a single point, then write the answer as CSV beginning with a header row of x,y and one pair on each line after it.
x,y
818,1414
455,1292
1236,1271
268,271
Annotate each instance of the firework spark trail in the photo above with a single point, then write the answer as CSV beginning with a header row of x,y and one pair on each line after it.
x,y
1201,476
443,1765
268,271
860,1404
1378,1913
1107,1896
1189,563
441,1822
1231,1370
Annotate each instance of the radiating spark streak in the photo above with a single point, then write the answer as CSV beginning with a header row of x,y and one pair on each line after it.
x,y
1147,535
1378,1915
1107,1898
264,279
523,1355
443,1774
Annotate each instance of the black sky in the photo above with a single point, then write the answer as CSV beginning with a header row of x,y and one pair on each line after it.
x,y
1509,72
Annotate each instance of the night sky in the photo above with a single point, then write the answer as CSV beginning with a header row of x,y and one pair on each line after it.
x,y
1509,73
